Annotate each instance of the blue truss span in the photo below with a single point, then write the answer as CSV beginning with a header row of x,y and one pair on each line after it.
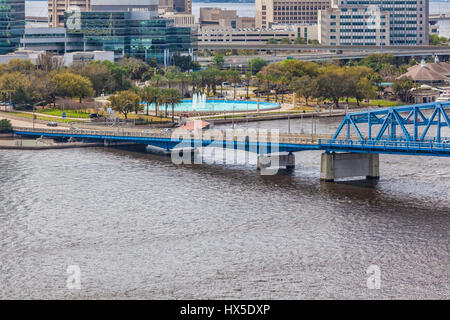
x,y
399,123
410,129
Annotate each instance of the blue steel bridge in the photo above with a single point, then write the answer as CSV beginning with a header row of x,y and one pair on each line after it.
x,y
415,130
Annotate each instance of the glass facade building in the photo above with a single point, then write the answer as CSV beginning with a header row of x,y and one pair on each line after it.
x,y
129,34
12,24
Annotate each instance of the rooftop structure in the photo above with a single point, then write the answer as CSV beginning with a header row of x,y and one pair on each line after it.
x,y
437,72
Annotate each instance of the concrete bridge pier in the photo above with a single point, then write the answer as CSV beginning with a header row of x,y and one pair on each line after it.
x,y
271,163
343,165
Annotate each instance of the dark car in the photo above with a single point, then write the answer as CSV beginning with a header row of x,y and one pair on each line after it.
x,y
93,115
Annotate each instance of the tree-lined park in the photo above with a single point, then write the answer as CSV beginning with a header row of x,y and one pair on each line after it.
x,y
131,85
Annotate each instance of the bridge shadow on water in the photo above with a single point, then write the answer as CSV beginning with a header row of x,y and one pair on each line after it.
x,y
293,183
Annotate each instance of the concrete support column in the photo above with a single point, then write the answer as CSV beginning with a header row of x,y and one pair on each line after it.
x,y
374,166
344,165
272,163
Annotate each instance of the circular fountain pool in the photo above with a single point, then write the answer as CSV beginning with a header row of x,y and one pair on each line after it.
x,y
219,106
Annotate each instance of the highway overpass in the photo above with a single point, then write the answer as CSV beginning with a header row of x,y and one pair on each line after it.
x,y
414,50
238,61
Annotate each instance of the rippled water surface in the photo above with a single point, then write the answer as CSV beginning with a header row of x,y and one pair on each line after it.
x,y
140,227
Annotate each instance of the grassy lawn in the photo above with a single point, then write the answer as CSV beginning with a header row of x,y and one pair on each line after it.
x,y
38,117
151,119
85,115
69,113
374,103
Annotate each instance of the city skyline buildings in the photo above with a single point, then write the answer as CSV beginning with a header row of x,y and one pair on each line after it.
x,y
269,12
12,24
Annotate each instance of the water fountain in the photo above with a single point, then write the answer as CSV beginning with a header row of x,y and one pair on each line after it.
x,y
194,101
198,101
204,101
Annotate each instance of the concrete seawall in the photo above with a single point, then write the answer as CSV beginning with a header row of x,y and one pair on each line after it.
x,y
30,144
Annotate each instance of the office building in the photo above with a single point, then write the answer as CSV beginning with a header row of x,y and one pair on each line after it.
x,y
354,26
408,19
180,19
56,9
221,35
176,6
217,17
12,24
135,33
269,12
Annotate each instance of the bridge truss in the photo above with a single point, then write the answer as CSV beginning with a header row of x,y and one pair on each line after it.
x,y
413,129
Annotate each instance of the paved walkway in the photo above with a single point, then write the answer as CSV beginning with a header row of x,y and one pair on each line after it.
x,y
25,123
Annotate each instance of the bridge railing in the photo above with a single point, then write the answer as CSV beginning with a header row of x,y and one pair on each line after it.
x,y
264,136
402,144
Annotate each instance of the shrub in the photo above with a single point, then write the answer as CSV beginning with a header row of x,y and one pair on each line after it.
x,y
5,126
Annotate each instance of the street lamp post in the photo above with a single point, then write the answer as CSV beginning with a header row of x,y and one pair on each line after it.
x,y
289,123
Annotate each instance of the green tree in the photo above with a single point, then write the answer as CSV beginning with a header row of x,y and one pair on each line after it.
x,y
185,63
19,65
17,87
137,69
332,84
150,95
234,77
285,41
72,85
121,75
256,64
435,40
172,97
211,77
125,102
300,40
172,75
158,80
248,79
305,87
5,126
100,76
402,88
272,41
296,68
376,61
365,89
218,61
195,80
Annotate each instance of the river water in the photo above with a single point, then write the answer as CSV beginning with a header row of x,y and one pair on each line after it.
x,y
139,226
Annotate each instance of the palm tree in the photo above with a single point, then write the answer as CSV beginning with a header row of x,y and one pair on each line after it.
x,y
182,78
248,78
194,79
234,77
150,95
172,97
158,80
164,99
172,75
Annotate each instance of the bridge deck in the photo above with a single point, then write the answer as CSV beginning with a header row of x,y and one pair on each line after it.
x,y
259,142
